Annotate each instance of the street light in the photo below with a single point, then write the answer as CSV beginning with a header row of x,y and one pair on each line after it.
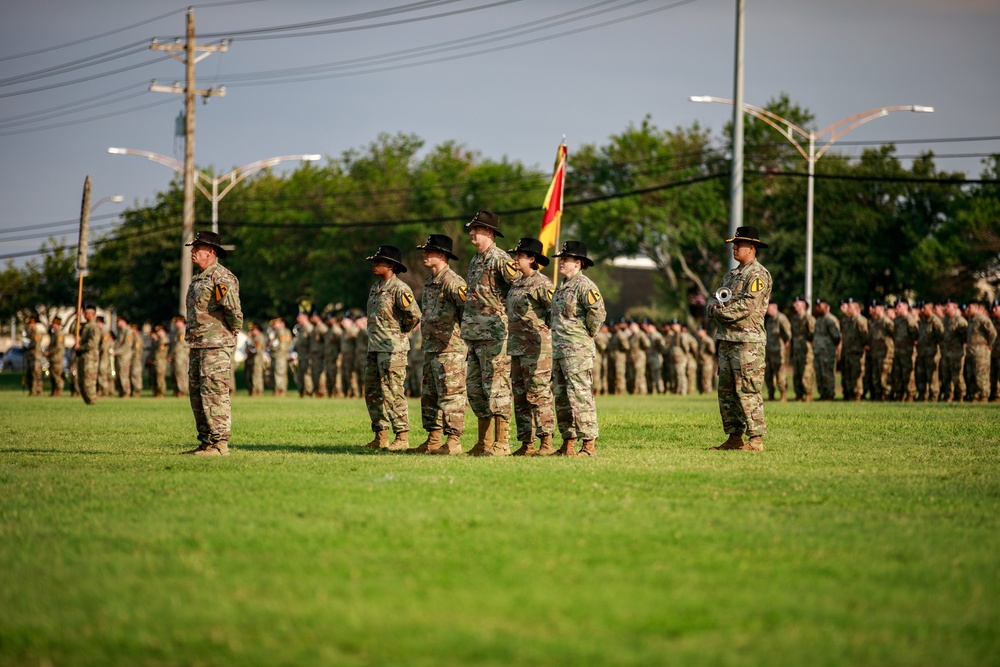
x,y
835,132
213,195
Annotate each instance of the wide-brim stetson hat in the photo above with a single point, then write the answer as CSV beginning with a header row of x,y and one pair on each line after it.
x,y
390,253
576,249
486,219
209,239
532,247
439,242
750,234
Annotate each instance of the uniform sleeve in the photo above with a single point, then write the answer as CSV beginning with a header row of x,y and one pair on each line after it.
x,y
593,304
227,294
785,330
410,311
457,292
991,332
756,290
543,294
504,267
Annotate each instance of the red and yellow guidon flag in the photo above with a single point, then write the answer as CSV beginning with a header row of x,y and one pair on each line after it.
x,y
553,205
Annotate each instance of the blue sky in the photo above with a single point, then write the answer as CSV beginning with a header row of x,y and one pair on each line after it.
x,y
515,99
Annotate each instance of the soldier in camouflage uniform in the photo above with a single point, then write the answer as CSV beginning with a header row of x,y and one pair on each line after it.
x,y
803,330
577,315
303,343
930,332
317,347
779,334
415,363
852,356
618,347
179,356
88,354
331,356
159,345
392,314
881,330
826,337
254,365
654,357
347,343
677,359
741,341
529,343
690,345
706,361
135,371
980,338
956,330
216,317
105,381
601,341
56,354
123,346
442,395
280,347
638,344
904,338
484,329
33,357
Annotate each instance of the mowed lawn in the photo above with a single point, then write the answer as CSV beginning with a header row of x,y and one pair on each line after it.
x,y
864,535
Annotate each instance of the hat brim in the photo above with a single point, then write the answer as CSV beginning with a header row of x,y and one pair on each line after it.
x,y
756,242
399,267
449,253
540,258
219,250
476,223
587,262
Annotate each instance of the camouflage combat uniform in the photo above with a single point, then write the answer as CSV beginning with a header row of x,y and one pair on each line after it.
x,y
105,381
930,331
904,337
803,378
123,347
741,340
654,362
529,343
348,383
88,359
56,354
158,364
880,353
215,316
442,394
677,364
706,363
484,329
392,314
690,345
852,356
618,347
980,338
415,363
638,344
180,360
135,371
577,315
956,330
303,344
317,362
601,341
254,366
279,360
331,359
33,360
779,332
826,335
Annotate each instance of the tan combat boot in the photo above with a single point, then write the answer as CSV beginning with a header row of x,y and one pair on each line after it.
x,y
735,441
451,447
485,432
501,440
546,448
380,441
400,443
526,449
215,449
568,448
433,441
588,448
754,444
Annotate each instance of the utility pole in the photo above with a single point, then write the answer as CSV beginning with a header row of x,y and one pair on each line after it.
x,y
189,59
736,178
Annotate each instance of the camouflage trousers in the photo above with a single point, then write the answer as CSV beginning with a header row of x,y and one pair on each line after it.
x,y
774,374
385,373
903,386
86,371
332,375
852,373
33,366
303,378
576,412
925,376
208,380
979,357
803,379
56,375
254,370
599,375
638,367
824,362
135,374
741,378
679,377
706,371
105,383
952,374
531,385
692,375
654,377
158,378
317,368
179,370
879,369
280,365
487,378
442,393
123,378
619,361
348,383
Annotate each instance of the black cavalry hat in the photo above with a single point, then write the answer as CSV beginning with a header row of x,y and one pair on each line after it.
x,y
486,219
439,242
533,247
389,253
748,234
576,249
209,239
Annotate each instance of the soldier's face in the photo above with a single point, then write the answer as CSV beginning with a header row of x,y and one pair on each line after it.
x,y
569,266
382,269
744,252
523,262
434,258
202,256
481,237
772,309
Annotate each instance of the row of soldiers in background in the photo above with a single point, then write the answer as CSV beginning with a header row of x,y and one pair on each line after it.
x,y
645,358
937,351
124,354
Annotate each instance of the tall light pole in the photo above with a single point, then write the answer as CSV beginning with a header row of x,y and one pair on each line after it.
x,y
834,132
213,195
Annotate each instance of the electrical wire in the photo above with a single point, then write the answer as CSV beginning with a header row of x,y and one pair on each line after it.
x,y
86,120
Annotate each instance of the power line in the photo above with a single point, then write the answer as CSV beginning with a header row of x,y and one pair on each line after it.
x,y
92,77
81,63
61,223
87,120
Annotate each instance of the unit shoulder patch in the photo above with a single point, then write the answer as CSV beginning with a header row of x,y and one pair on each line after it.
x,y
407,299
756,285
593,296
221,291
510,269
462,293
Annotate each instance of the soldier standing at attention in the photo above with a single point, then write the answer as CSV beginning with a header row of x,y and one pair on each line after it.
x,y
779,334
952,353
179,357
930,331
105,383
33,357
826,337
347,342
331,356
392,314
981,337
158,361
741,344
484,329
618,347
56,354
303,341
654,357
124,344
880,350
904,338
88,354
706,361
601,341
135,371
442,391
213,305
638,344
577,315
279,355
256,344
529,343
852,355
677,360
317,346
803,332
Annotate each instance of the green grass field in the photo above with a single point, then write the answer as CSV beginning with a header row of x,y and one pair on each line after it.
x,y
864,535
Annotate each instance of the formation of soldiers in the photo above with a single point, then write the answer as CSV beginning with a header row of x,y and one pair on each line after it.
x,y
899,352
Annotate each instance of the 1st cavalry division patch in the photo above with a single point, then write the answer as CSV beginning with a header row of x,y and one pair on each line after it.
x,y
511,269
461,293
407,299
593,296
220,292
